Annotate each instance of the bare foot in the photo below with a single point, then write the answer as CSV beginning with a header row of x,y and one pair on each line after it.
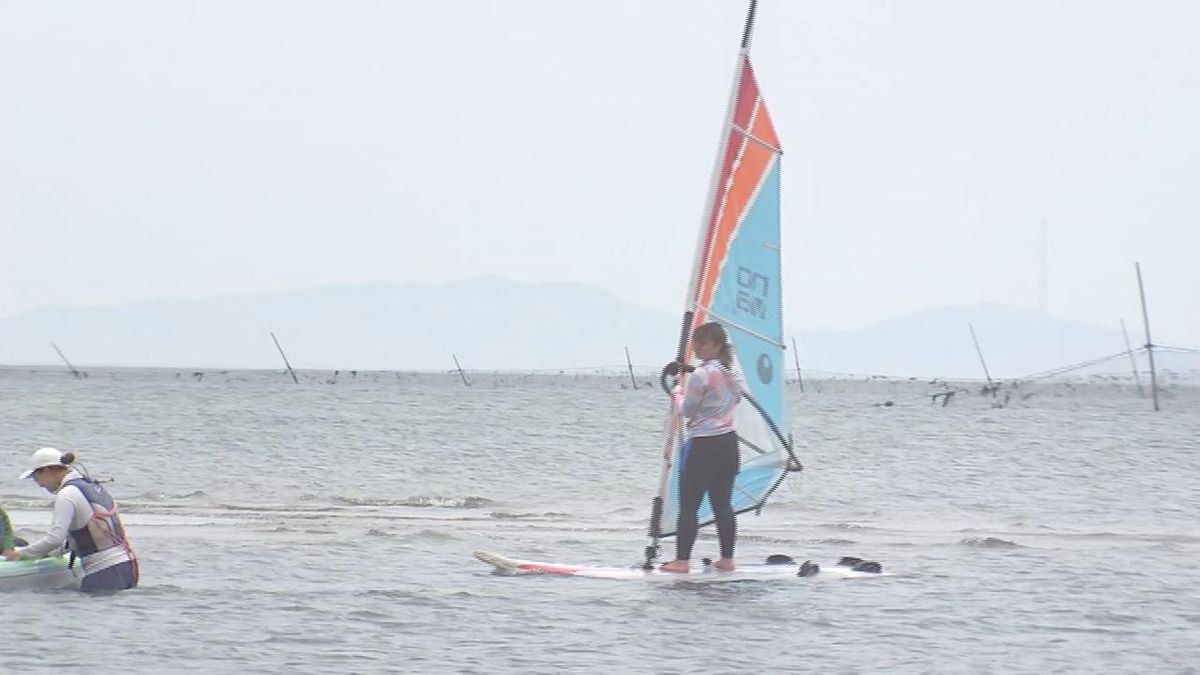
x,y
680,566
725,564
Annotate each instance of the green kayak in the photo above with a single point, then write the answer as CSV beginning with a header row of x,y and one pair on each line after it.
x,y
51,572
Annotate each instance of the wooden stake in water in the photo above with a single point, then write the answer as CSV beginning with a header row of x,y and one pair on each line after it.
x,y
64,358
285,359
461,374
1132,361
796,357
629,362
979,351
1137,267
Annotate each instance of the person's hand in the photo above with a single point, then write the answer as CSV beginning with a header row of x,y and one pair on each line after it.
x,y
11,555
677,397
673,368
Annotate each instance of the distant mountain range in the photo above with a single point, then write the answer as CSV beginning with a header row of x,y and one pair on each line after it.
x,y
497,323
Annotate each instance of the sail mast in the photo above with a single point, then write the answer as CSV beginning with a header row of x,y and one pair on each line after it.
x,y
711,208
748,32
705,238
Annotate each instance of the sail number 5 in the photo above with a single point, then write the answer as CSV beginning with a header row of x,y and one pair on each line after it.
x,y
752,292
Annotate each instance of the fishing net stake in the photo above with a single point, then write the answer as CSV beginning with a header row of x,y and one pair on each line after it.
x,y
64,359
461,374
796,357
629,362
1137,267
1137,378
285,359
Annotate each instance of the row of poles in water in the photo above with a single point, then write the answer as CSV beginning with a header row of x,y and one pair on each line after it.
x,y
992,386
628,363
1149,347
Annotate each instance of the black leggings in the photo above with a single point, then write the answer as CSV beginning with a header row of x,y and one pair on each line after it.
x,y
710,466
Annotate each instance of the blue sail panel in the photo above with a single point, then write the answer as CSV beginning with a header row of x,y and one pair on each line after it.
x,y
747,301
748,298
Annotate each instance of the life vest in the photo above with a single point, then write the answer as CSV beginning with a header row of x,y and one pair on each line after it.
x,y
7,541
104,529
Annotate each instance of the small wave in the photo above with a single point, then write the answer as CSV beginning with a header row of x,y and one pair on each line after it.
x,y
467,502
756,538
432,535
504,515
837,542
272,508
1021,523
284,529
371,616
162,496
24,502
151,588
375,532
989,542
1169,537
410,598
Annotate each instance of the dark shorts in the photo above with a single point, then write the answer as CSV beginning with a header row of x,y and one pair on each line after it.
x,y
116,578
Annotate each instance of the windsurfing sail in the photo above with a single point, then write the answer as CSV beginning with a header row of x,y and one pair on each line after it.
x,y
735,280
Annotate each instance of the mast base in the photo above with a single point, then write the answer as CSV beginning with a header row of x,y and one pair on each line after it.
x,y
651,557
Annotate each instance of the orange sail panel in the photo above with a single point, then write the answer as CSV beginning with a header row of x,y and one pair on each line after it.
x,y
751,146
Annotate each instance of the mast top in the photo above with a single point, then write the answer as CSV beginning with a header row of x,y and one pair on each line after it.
x,y
748,32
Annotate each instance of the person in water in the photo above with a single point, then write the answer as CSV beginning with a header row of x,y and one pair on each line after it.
x,y
710,452
85,517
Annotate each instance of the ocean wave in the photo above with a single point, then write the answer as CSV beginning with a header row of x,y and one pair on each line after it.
x,y
421,501
504,515
1154,537
163,496
989,542
756,538
431,535
24,502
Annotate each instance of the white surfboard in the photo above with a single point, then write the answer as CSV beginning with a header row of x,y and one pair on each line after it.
x,y
700,572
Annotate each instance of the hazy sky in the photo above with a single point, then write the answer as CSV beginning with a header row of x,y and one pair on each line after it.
x,y
155,149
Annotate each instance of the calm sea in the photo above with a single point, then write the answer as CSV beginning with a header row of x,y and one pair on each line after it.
x,y
328,527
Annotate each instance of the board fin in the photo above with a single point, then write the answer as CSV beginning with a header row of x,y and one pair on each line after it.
x,y
503,565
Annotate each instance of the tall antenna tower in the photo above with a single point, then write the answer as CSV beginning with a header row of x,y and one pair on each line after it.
x,y
1042,284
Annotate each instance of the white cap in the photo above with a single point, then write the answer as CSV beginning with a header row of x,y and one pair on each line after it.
x,y
43,457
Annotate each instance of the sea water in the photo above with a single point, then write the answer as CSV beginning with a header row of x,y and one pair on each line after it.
x,y
328,526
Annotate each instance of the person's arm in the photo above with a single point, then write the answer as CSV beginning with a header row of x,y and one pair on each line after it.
x,y
64,513
697,383
737,380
